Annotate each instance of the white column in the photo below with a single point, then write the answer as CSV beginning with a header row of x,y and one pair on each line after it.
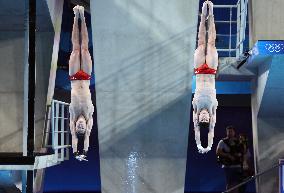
x,y
143,53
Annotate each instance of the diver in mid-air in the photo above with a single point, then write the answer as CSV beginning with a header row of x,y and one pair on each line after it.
x,y
80,68
205,67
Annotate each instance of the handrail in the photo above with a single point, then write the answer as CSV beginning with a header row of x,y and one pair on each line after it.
x,y
253,177
225,6
59,130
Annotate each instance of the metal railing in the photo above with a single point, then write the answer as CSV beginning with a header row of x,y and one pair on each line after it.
x,y
251,178
239,23
59,134
242,10
56,136
230,22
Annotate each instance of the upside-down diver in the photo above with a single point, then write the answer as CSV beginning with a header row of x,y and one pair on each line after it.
x,y
80,68
205,67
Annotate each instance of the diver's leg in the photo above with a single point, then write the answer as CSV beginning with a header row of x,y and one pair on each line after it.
x,y
74,61
211,26
199,54
202,27
212,54
86,60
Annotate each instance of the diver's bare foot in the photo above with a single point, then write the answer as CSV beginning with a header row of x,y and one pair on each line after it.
x,y
210,5
204,9
81,11
76,11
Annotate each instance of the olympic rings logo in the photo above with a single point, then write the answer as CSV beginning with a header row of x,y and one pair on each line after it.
x,y
274,47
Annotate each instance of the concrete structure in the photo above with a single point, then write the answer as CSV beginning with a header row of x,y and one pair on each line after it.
x,y
269,13
14,75
44,50
143,64
12,49
267,116
11,75
55,11
267,108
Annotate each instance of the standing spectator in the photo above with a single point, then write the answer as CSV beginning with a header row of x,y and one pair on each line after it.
x,y
230,155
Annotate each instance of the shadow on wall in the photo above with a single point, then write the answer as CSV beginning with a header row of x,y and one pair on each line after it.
x,y
153,71
140,68
143,94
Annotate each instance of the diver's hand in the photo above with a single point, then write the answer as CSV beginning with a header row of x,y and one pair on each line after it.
x,y
207,149
81,158
76,153
200,149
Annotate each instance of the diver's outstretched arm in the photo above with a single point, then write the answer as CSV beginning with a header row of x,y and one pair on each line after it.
x,y
74,143
210,140
211,126
87,134
74,136
86,143
88,131
195,114
197,140
73,131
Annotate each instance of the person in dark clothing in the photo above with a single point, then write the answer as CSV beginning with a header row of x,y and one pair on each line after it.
x,y
230,154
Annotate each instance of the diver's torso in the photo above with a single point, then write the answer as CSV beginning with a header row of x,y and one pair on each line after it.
x,y
81,101
205,81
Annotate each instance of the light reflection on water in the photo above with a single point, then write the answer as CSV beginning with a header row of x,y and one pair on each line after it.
x,y
133,163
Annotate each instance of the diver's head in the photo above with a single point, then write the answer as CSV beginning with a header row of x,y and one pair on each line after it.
x,y
81,125
204,118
